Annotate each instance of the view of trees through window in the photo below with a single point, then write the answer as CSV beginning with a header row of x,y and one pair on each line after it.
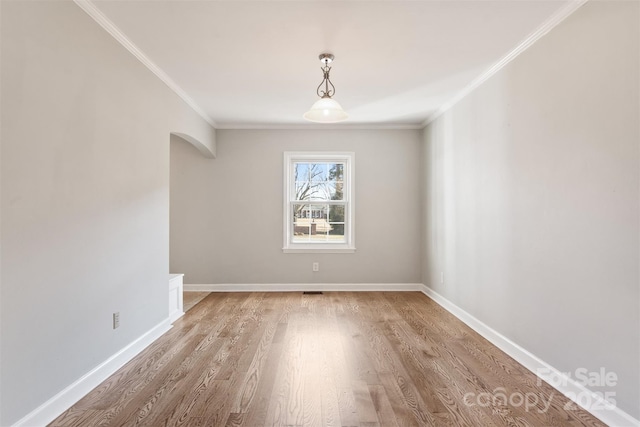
x,y
319,208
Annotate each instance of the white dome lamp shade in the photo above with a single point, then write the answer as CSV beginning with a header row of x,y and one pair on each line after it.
x,y
326,109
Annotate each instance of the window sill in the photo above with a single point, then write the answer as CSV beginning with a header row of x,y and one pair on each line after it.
x,y
318,250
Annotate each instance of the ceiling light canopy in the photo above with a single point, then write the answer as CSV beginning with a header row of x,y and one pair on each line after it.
x,y
326,109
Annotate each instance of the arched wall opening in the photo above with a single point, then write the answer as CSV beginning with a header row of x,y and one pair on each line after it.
x,y
201,147
187,156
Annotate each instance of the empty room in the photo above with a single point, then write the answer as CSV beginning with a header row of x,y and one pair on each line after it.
x,y
319,213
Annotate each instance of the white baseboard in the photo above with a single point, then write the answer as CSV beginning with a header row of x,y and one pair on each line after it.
x,y
300,287
62,401
55,406
601,409
175,316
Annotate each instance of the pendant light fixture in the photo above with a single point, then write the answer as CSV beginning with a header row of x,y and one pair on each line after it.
x,y
326,109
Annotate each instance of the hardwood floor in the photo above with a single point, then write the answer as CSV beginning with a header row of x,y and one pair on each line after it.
x,y
338,359
190,299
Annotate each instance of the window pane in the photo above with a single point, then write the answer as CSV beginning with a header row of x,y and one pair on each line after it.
x,y
337,231
305,211
320,191
311,223
336,213
319,181
310,190
336,176
300,190
306,190
336,172
301,171
299,210
335,191
317,172
301,225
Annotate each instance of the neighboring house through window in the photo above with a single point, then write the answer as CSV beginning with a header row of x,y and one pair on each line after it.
x,y
318,202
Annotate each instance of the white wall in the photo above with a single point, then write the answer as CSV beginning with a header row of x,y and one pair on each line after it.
x,y
532,198
85,198
226,214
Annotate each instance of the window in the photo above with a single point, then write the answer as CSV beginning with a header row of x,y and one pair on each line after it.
x,y
318,202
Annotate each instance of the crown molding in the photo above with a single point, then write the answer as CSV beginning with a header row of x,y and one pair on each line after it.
x,y
547,26
97,15
344,126
92,10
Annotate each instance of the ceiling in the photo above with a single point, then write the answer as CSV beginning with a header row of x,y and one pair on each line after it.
x,y
255,63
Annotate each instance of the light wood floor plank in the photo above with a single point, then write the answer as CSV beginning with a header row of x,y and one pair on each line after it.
x,y
369,359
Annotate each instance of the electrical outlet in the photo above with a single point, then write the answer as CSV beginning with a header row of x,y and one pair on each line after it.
x,y
316,266
116,319
442,277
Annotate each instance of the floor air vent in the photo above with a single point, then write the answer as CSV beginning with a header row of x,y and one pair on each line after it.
x,y
312,293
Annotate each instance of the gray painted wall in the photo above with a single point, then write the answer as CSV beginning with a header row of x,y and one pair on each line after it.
x,y
532,198
226,214
85,199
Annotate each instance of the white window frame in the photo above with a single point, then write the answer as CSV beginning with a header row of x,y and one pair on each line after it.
x,y
291,157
